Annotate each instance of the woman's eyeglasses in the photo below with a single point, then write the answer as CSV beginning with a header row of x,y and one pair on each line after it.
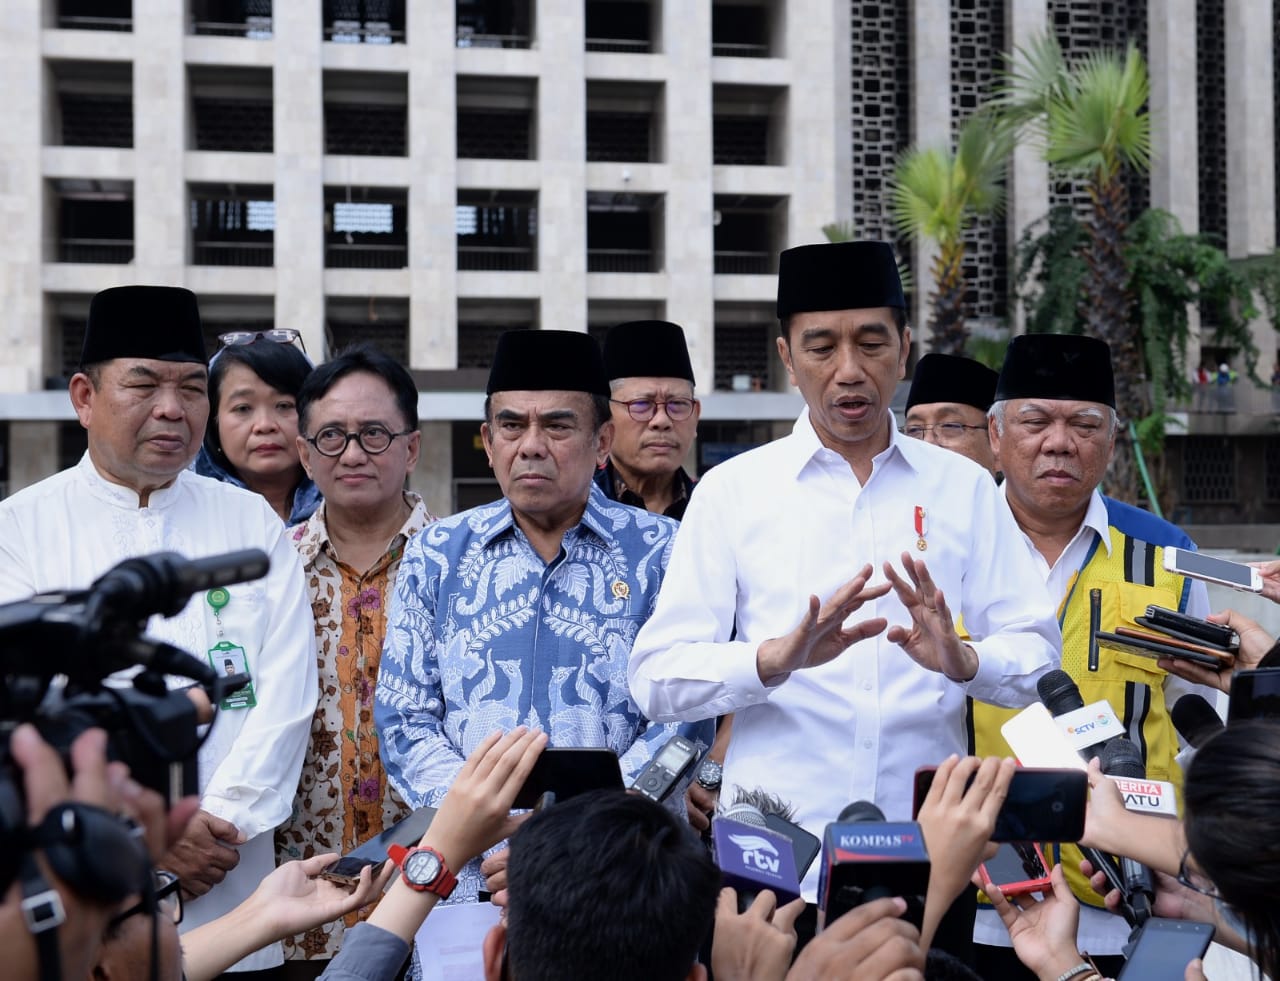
x,y
280,335
165,898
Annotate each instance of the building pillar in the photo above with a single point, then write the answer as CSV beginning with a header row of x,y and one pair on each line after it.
x,y
433,475
433,195
298,94
1171,48
930,127
22,198
688,238
160,219
1028,176
562,153
1251,191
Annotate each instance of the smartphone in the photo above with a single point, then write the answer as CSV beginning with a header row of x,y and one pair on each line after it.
x,y
665,771
1042,805
1164,948
1255,694
804,846
1017,868
567,772
374,851
1156,646
1185,627
1197,565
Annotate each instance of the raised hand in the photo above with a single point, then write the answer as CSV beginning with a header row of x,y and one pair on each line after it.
x,y
931,639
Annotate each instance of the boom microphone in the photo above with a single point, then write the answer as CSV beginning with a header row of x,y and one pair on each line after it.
x,y
1195,719
865,857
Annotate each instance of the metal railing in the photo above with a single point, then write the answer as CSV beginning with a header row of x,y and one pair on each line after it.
x,y
255,28
96,120
107,250
77,23
232,254
497,258
494,134
734,49
362,255
619,137
741,263
621,261
742,140
363,32
626,45
467,38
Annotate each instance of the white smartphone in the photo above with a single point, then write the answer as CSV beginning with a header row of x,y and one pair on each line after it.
x,y
1197,565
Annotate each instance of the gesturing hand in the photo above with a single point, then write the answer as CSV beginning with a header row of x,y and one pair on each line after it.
x,y
821,635
931,640
204,854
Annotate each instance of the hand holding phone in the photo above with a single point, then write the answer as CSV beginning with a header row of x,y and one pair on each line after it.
x,y
1164,948
1197,565
1017,868
1041,805
374,851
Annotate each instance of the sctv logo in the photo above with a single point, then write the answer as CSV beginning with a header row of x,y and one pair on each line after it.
x,y
757,851
1088,726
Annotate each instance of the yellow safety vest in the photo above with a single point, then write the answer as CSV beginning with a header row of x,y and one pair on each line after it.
x,y
1130,577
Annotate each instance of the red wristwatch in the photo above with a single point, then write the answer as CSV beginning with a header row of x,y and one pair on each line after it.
x,y
423,869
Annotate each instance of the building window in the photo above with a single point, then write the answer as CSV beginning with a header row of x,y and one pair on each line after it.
x,y
94,103
232,225
630,26
232,18
95,220
382,322
496,117
746,357
366,113
95,15
624,122
497,230
746,125
364,21
482,322
366,228
1208,470
624,232
748,232
746,30
494,23
231,109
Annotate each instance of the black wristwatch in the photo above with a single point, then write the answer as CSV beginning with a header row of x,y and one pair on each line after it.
x,y
710,773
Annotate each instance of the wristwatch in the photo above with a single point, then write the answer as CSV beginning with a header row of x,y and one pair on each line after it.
x,y
710,773
423,869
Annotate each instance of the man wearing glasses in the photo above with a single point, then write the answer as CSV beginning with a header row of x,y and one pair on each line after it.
x,y
655,416
359,440
142,396
947,406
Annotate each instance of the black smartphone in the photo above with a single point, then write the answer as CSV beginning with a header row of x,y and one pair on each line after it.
x,y
1255,694
1181,625
804,846
1043,804
374,851
567,772
1164,948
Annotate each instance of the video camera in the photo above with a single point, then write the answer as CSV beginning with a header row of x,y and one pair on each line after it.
x,y
58,649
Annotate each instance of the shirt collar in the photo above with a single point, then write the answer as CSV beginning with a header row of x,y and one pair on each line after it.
x,y
120,496
312,536
682,481
594,518
1095,519
805,446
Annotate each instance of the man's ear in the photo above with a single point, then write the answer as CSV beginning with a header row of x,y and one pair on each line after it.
x,y
304,456
492,950
82,392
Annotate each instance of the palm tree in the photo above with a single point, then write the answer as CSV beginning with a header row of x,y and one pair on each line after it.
x,y
1091,117
935,194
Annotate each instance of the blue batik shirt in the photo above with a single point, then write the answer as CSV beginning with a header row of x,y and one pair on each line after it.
x,y
484,635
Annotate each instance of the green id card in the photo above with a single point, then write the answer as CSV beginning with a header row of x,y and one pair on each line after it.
x,y
228,659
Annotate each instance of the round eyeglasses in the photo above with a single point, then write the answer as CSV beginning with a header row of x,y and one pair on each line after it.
x,y
165,899
946,432
280,335
642,410
332,441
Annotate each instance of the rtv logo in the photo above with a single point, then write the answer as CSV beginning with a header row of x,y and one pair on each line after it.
x,y
757,851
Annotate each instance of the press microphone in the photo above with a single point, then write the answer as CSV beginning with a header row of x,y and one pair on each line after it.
x,y
1195,719
752,858
865,857
779,818
1088,727
1121,758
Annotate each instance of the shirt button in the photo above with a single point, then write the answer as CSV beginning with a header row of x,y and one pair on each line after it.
x,y
866,686
868,743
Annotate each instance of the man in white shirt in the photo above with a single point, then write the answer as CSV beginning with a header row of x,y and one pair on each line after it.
x,y
1053,430
776,551
141,395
